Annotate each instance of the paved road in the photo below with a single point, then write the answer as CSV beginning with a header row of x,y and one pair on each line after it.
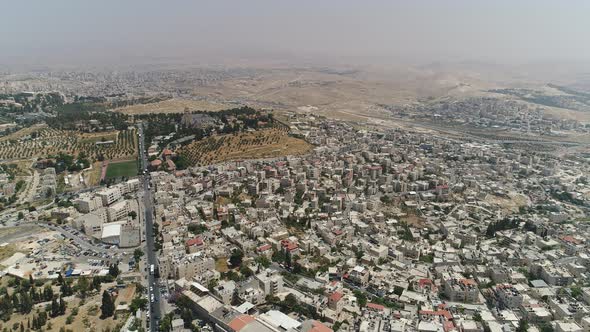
x,y
153,282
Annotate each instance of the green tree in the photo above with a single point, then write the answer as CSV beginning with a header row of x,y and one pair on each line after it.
x,y
576,292
47,293
54,308
60,279
262,260
114,270
291,300
82,287
62,306
236,258
523,326
138,303
187,317
546,327
26,304
361,298
96,282
66,289
107,307
166,323
137,254
246,271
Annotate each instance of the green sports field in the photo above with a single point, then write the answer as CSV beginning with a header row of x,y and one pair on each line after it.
x,y
124,168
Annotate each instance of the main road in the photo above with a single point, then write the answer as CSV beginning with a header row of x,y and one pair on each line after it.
x,y
153,286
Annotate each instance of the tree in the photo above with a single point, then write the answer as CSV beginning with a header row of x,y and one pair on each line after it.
x,y
60,279
278,256
54,308
114,270
82,286
132,214
138,303
262,260
523,326
62,306
96,282
236,258
107,307
187,317
246,271
361,298
196,228
477,317
291,300
26,304
47,293
546,327
166,323
576,292
212,284
137,254
66,288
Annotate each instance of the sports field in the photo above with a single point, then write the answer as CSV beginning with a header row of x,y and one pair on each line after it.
x,y
124,168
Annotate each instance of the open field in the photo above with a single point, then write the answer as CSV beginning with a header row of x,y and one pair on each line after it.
x,y
266,143
509,204
221,264
92,177
124,168
13,234
173,106
7,251
52,141
126,295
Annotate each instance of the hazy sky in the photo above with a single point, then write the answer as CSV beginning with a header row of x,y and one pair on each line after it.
x,y
489,30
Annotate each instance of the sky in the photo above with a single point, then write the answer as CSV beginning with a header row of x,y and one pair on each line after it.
x,y
44,31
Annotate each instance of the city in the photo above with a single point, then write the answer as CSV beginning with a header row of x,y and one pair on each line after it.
x,y
266,167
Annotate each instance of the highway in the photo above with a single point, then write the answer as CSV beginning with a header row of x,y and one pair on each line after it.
x,y
153,287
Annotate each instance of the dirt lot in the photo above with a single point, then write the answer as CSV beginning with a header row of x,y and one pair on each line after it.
x,y
173,106
510,203
126,295
14,234
221,264
92,177
7,251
